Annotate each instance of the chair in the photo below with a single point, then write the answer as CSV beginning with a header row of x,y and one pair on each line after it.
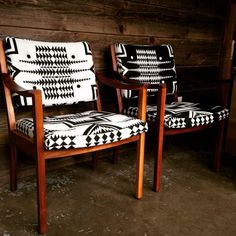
x,y
152,65
40,74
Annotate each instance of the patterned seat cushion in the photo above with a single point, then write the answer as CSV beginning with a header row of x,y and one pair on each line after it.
x,y
184,114
84,129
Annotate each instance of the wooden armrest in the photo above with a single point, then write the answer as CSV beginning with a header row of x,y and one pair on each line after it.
x,y
134,81
142,90
14,87
118,84
9,87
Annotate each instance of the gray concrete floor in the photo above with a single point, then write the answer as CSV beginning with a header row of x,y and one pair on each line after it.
x,y
193,200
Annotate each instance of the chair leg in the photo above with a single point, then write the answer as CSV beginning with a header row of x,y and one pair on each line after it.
x,y
115,157
161,101
158,161
140,167
13,167
219,145
41,191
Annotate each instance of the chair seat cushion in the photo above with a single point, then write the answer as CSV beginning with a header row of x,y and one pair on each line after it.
x,y
184,114
84,129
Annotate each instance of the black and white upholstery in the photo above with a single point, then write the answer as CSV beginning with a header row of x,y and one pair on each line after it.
x,y
154,65
84,129
147,64
64,72
184,114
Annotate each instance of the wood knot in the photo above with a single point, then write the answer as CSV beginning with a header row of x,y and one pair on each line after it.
x,y
121,28
152,40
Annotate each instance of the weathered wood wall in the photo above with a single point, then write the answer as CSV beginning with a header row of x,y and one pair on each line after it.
x,y
193,27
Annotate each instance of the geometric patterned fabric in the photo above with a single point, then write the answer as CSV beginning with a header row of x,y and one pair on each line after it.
x,y
84,129
184,114
64,72
147,64
153,65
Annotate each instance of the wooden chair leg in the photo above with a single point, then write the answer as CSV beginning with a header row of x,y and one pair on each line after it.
x,y
161,101
13,168
41,191
158,159
115,157
219,145
140,167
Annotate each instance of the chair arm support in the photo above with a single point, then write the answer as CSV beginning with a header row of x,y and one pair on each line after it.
x,y
118,84
142,90
161,104
134,81
38,120
14,87
11,87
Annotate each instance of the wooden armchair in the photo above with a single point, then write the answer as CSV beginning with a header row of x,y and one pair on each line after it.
x,y
40,74
154,65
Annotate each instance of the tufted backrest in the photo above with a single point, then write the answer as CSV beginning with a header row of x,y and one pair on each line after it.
x,y
148,64
64,72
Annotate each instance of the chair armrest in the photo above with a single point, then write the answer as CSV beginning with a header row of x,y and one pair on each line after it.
x,y
134,81
161,97
142,92
118,84
14,87
11,87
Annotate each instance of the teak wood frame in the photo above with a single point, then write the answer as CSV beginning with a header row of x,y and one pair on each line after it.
x,y
35,147
162,131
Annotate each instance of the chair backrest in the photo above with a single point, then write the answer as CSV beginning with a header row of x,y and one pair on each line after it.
x,y
150,64
64,72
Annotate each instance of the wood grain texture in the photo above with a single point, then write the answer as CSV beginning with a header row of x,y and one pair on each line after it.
x,y
194,29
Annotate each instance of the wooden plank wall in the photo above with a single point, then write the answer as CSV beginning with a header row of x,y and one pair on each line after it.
x,y
193,27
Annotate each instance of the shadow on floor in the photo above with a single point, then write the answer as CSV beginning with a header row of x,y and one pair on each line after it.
x,y
193,199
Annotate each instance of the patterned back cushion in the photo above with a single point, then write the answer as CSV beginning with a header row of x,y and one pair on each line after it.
x,y
63,71
148,64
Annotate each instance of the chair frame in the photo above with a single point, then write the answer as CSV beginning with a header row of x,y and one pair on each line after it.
x,y
163,131
35,146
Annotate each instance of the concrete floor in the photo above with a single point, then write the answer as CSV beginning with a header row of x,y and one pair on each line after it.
x,y
193,200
